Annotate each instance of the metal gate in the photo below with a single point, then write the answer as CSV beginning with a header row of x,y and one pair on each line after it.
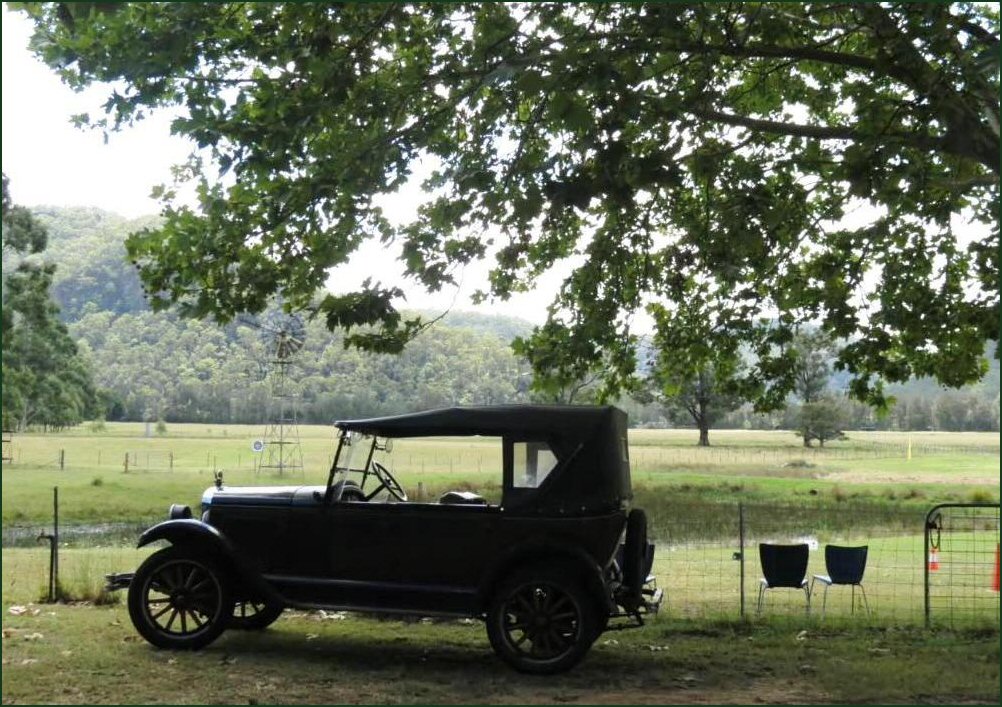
x,y
962,564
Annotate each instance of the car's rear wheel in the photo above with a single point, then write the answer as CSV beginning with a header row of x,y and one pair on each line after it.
x,y
542,620
253,615
179,599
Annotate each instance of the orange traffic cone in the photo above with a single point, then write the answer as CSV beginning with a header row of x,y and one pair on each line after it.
x,y
934,559
995,579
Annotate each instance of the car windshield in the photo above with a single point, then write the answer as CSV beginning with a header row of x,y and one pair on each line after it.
x,y
355,454
430,467
354,458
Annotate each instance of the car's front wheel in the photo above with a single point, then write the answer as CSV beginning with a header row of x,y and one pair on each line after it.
x,y
542,621
179,599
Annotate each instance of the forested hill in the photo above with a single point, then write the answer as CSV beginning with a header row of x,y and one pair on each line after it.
x,y
92,273
159,366
156,365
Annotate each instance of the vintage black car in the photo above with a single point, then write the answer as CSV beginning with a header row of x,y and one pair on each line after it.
x,y
546,567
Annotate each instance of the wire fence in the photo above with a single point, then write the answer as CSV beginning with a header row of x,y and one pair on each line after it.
x,y
157,454
940,569
657,457
231,458
139,460
962,567
710,566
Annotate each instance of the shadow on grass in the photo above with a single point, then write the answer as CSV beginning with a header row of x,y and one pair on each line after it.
x,y
412,648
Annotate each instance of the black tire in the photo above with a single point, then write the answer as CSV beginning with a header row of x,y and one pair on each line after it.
x,y
179,600
542,620
251,615
601,623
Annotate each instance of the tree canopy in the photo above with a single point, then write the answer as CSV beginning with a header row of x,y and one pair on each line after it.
x,y
742,169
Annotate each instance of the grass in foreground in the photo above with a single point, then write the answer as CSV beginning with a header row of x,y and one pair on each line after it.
x,y
87,654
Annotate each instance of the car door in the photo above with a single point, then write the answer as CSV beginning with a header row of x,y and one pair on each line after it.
x,y
425,556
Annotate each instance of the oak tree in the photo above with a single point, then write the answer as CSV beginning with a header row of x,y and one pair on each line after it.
x,y
766,164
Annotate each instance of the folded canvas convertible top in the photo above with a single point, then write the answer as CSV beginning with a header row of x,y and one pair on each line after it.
x,y
561,420
589,440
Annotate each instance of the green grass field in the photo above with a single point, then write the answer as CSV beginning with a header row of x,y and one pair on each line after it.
x,y
863,490
751,466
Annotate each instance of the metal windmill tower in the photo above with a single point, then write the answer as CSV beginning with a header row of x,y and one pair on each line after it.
x,y
283,335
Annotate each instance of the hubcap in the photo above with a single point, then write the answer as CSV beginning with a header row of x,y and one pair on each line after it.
x,y
182,597
541,622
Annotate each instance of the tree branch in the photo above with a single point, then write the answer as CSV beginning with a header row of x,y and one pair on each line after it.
x,y
815,132
855,61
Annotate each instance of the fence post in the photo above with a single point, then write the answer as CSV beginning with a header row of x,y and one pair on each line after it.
x,y
125,470
741,549
54,579
170,457
931,523
62,459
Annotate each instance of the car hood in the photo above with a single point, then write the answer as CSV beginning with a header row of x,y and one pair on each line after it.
x,y
261,495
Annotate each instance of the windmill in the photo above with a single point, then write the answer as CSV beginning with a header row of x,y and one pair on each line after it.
x,y
283,336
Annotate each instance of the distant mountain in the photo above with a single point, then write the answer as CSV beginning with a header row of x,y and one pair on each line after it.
x,y
505,328
92,271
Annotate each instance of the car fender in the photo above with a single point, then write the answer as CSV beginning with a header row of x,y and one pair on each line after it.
x,y
546,553
204,538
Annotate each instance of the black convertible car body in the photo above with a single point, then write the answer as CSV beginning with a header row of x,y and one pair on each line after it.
x,y
546,567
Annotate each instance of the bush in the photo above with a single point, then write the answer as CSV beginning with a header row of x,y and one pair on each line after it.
x,y
982,496
161,427
96,425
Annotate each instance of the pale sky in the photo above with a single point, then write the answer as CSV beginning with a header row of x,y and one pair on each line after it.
x,y
50,162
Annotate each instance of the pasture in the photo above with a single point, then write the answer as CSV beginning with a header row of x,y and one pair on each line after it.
x,y
741,465
865,489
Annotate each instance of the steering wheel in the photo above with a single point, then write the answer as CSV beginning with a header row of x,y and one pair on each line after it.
x,y
386,481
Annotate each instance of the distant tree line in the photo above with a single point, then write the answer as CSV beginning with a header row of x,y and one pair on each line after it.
x,y
156,366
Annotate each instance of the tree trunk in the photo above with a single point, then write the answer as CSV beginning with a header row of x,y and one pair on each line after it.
x,y
703,422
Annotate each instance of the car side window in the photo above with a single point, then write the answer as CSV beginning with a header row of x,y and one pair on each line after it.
x,y
532,463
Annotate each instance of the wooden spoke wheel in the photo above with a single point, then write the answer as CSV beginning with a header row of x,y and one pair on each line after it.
x,y
179,600
542,621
